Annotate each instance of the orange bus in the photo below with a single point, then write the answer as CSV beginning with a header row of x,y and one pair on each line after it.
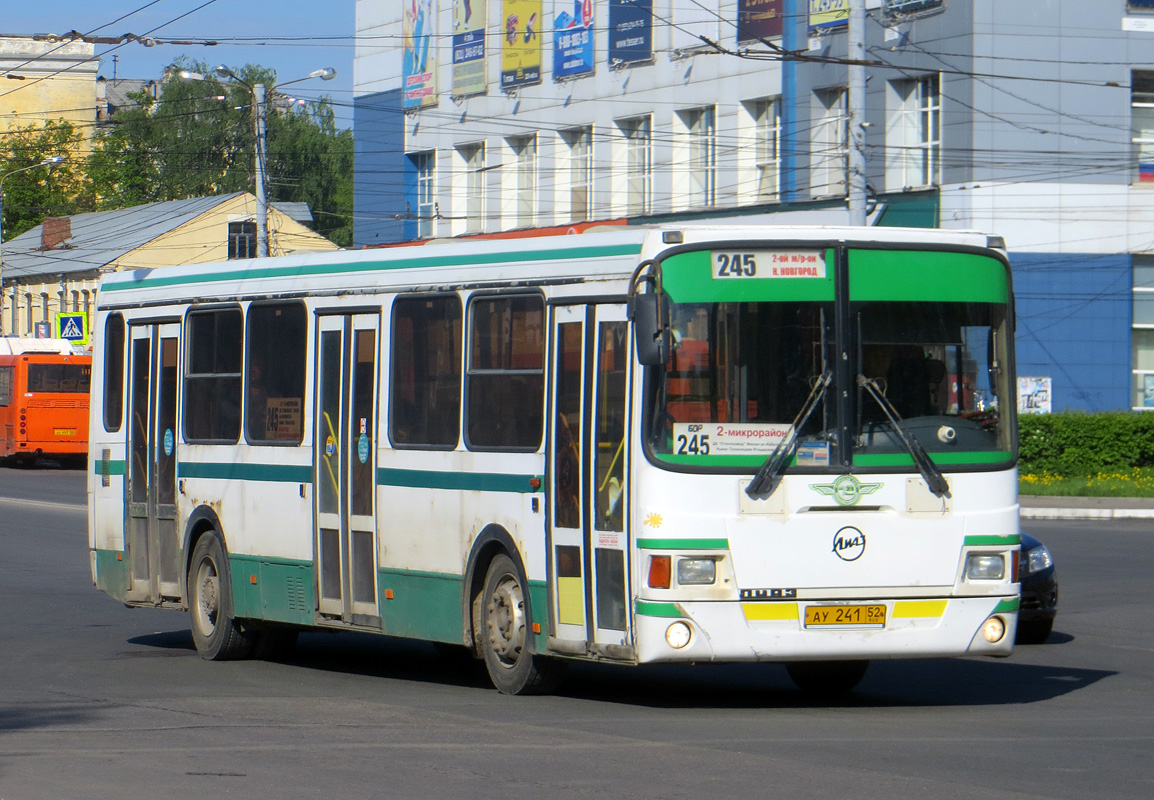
x,y
43,399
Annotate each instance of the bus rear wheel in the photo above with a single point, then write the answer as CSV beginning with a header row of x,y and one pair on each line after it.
x,y
505,638
216,633
827,678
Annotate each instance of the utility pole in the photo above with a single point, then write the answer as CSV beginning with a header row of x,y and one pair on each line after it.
x,y
258,107
857,122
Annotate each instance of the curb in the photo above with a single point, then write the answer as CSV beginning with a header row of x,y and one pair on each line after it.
x,y
1087,513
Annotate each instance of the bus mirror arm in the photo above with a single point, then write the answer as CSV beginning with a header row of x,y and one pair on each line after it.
x,y
929,470
768,477
650,332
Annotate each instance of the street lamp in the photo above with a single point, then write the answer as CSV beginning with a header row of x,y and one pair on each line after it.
x,y
49,162
261,155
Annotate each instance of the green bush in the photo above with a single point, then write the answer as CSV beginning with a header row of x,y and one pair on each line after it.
x,y
1078,443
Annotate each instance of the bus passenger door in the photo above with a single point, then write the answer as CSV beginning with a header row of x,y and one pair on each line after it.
x,y
588,502
152,539
345,472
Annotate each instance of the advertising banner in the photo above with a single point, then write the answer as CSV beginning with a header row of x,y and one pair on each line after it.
x,y
469,46
520,43
1034,395
419,32
828,13
758,19
572,38
630,31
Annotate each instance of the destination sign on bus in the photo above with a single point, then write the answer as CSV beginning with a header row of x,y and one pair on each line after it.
x,y
727,438
728,265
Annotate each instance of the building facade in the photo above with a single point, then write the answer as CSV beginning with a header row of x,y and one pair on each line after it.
x,y
1034,121
46,81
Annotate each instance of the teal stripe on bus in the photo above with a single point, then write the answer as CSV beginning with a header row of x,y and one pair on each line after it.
x,y
648,609
239,471
475,481
994,540
683,544
1008,605
330,268
108,467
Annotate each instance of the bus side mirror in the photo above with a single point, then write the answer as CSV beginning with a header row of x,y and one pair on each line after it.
x,y
650,337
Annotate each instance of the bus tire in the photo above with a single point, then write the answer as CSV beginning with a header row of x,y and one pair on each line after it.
x,y
216,633
504,635
827,678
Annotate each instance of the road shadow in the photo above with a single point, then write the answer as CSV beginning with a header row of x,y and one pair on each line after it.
x,y
932,682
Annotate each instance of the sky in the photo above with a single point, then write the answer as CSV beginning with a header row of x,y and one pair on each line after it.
x,y
293,37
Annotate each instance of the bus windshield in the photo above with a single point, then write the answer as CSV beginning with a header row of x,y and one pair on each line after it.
x,y
913,370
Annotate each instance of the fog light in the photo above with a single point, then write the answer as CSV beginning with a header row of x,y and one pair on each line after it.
x,y
993,630
678,635
981,567
696,571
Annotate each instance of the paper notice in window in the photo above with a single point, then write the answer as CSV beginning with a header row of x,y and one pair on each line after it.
x,y
282,418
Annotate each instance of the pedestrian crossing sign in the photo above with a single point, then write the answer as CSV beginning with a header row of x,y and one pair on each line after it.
x,y
73,327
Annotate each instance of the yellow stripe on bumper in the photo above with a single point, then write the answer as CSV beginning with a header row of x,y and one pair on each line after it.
x,y
769,611
919,608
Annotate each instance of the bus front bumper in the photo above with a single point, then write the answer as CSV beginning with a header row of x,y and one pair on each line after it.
x,y
778,631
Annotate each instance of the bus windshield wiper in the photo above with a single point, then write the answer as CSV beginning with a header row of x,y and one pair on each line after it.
x,y
929,470
769,476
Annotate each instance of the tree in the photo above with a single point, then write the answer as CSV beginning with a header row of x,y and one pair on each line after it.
x,y
198,139
31,195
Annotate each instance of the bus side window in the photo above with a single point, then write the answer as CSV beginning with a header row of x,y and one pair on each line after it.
x,y
425,386
277,337
113,372
5,386
506,373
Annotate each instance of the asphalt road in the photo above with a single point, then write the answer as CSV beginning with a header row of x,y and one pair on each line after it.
x,y
100,701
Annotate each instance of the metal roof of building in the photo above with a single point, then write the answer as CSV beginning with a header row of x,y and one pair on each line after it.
x,y
101,237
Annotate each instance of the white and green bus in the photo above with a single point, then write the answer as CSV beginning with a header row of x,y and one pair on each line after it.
x,y
680,444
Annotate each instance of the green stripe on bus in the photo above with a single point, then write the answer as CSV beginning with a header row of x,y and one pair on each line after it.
x,y
945,459
273,589
108,467
1008,605
239,471
648,609
423,605
112,573
462,481
919,275
994,540
330,268
688,278
683,544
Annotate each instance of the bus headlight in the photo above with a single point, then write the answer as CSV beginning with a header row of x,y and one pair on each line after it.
x,y
678,635
985,567
696,571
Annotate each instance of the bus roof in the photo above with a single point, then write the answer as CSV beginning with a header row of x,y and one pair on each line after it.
x,y
22,345
601,253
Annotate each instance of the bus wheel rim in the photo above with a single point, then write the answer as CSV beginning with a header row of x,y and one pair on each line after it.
x,y
506,621
207,596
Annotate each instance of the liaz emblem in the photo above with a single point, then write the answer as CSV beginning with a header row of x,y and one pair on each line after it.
x,y
846,490
849,543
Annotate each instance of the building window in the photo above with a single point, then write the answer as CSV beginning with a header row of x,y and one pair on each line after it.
x,y
1142,336
29,308
763,141
241,240
915,134
893,8
638,165
1140,5
474,157
1142,124
580,144
830,150
701,132
525,164
426,164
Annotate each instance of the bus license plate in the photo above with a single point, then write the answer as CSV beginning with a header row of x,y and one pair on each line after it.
x,y
820,616
64,431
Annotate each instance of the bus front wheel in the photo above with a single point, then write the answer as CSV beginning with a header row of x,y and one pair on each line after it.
x,y
505,638
215,631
